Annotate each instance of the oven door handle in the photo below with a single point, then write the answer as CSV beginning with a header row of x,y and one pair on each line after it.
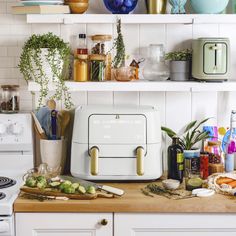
x,y
4,226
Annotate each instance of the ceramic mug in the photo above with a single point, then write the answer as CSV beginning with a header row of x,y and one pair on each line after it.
x,y
53,153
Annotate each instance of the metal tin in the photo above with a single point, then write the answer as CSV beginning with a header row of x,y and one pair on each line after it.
x,y
156,6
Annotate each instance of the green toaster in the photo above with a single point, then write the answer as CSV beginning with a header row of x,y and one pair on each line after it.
x,y
211,59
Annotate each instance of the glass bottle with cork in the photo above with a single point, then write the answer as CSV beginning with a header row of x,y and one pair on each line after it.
x,y
81,65
81,47
175,160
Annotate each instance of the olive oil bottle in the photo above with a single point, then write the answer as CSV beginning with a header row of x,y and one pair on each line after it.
x,y
175,160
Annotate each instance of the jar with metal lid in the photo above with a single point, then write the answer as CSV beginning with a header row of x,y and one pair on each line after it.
x,y
81,65
102,45
97,67
10,99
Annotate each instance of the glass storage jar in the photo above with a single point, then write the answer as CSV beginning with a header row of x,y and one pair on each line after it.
x,y
81,73
97,67
10,99
102,45
192,169
155,68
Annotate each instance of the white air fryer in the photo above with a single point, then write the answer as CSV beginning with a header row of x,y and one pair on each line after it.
x,y
116,143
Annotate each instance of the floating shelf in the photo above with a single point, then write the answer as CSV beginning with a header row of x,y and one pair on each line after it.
x,y
141,86
132,18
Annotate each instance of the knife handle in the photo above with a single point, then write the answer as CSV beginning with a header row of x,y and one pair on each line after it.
x,y
113,190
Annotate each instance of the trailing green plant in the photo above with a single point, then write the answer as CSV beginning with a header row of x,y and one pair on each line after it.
x,y
50,50
191,136
119,46
182,55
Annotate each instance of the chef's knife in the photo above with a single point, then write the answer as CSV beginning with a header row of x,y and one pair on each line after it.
x,y
108,189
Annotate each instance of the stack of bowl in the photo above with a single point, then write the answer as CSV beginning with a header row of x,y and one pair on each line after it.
x,y
78,6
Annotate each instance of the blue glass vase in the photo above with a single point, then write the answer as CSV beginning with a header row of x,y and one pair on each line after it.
x,y
178,6
120,6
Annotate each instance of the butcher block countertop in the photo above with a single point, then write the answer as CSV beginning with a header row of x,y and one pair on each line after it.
x,y
132,202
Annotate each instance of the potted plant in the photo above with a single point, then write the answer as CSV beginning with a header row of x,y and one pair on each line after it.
x,y
45,59
120,71
180,64
191,137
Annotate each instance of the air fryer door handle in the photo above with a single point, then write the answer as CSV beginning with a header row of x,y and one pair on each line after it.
x,y
94,155
140,161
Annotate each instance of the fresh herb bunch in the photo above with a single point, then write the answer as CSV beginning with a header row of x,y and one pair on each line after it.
x,y
56,52
119,45
192,135
183,55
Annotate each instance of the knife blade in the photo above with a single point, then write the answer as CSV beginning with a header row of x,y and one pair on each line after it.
x,y
106,188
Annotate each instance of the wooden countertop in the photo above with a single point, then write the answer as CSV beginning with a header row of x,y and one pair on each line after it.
x,y
133,201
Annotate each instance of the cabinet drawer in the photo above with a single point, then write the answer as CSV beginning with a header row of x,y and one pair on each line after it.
x,y
174,224
64,224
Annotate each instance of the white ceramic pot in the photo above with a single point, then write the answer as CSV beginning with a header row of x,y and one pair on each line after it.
x,y
53,153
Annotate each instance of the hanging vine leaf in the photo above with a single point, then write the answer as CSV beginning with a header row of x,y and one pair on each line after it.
x,y
50,48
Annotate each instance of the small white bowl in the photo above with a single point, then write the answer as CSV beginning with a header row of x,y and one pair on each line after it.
x,y
171,184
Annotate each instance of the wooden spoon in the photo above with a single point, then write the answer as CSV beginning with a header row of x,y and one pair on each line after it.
x,y
51,104
65,120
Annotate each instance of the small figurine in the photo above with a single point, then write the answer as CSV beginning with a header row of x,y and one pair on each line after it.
x,y
178,6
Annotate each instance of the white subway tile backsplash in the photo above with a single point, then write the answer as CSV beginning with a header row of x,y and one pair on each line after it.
x,y
96,98
14,51
126,98
3,51
179,36
7,62
176,108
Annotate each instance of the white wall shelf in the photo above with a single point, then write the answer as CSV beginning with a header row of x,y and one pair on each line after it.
x,y
140,86
132,18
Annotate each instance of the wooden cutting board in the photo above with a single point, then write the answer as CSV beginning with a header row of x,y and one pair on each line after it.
x,y
55,193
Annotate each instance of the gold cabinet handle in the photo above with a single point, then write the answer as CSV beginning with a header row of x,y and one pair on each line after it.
x,y
104,222
94,154
140,161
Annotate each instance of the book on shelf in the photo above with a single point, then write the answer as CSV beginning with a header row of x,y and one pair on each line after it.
x,y
48,9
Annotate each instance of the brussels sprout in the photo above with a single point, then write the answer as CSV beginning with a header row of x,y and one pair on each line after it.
x,y
54,184
31,182
65,184
41,179
82,189
91,190
69,189
75,185
42,184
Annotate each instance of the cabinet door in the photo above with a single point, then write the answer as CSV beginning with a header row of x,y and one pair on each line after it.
x,y
174,225
63,224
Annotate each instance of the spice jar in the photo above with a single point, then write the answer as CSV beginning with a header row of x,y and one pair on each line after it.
x,y
97,67
102,45
81,73
216,157
192,169
10,99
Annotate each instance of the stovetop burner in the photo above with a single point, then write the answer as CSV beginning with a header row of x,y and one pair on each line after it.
x,y
6,182
2,195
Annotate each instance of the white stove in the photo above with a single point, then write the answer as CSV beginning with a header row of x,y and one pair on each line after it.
x,y
16,157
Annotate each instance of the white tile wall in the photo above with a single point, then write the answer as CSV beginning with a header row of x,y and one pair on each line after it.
x,y
176,108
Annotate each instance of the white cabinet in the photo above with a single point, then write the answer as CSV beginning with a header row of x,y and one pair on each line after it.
x,y
64,224
174,225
